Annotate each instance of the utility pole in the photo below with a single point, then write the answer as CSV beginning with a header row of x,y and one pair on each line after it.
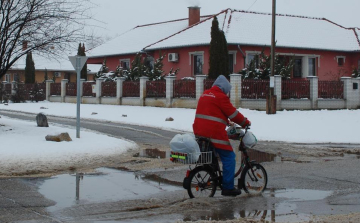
x,y
271,98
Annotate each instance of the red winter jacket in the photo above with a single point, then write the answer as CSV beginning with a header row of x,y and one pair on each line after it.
x,y
212,113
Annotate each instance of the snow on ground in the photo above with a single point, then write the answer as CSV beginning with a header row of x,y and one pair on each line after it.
x,y
322,126
23,146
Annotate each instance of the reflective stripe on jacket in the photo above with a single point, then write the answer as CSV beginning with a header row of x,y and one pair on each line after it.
x,y
212,113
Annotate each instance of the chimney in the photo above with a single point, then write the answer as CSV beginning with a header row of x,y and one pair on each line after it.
x,y
194,15
24,45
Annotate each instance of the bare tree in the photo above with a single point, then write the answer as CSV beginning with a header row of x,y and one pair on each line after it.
x,y
44,27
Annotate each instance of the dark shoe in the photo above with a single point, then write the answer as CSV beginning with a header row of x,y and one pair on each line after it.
x,y
233,192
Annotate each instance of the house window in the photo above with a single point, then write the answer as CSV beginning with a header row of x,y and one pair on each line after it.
x,y
198,62
312,67
16,77
231,63
125,64
297,70
340,60
7,78
149,62
358,65
252,58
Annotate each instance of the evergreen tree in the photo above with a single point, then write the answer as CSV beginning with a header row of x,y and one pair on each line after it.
x,y
103,69
157,72
81,52
29,69
225,56
137,69
215,49
219,55
262,71
46,77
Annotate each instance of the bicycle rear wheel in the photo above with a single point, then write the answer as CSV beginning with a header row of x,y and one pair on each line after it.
x,y
202,183
253,180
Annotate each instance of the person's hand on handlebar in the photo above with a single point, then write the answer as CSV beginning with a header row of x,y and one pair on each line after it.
x,y
230,123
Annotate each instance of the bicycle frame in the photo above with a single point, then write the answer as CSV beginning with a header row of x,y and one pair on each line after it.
x,y
215,166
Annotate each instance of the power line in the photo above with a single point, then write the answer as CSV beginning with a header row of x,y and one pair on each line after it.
x,y
252,5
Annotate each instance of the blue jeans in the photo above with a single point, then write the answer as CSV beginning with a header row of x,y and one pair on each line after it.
x,y
228,161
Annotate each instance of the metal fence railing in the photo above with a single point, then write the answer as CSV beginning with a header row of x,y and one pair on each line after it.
x,y
71,89
208,83
156,89
7,89
88,89
331,89
131,89
254,89
295,89
184,89
108,89
55,89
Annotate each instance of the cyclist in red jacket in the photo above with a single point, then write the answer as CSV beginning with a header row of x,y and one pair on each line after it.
x,y
213,112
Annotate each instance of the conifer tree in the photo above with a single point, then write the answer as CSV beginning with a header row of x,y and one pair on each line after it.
x,y
157,72
81,52
46,77
29,69
137,69
103,69
219,58
225,56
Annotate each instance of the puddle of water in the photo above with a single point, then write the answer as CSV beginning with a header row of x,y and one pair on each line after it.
x,y
106,185
301,195
275,210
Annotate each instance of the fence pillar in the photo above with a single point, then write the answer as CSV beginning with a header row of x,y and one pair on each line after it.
x,y
48,89
169,90
314,92
63,89
199,85
119,89
98,89
13,87
351,92
277,91
143,90
235,93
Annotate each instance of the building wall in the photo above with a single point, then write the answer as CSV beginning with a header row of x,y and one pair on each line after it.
x,y
326,61
40,75
327,67
185,62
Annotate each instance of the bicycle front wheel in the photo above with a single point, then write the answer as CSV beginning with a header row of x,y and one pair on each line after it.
x,y
202,183
253,179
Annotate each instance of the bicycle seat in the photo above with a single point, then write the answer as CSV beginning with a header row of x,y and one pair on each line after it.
x,y
204,144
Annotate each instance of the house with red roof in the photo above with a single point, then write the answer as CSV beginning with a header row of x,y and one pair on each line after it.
x,y
318,46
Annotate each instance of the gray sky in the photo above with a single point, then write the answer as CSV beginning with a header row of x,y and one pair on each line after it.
x,y
118,16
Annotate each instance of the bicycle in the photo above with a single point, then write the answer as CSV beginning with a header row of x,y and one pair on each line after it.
x,y
203,180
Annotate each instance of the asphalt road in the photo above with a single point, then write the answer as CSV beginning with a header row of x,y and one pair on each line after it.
x,y
139,134
295,192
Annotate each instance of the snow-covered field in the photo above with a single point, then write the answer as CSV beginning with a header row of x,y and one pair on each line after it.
x,y
23,145
323,126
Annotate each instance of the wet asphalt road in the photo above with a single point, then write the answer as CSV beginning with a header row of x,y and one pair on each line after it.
x,y
21,201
